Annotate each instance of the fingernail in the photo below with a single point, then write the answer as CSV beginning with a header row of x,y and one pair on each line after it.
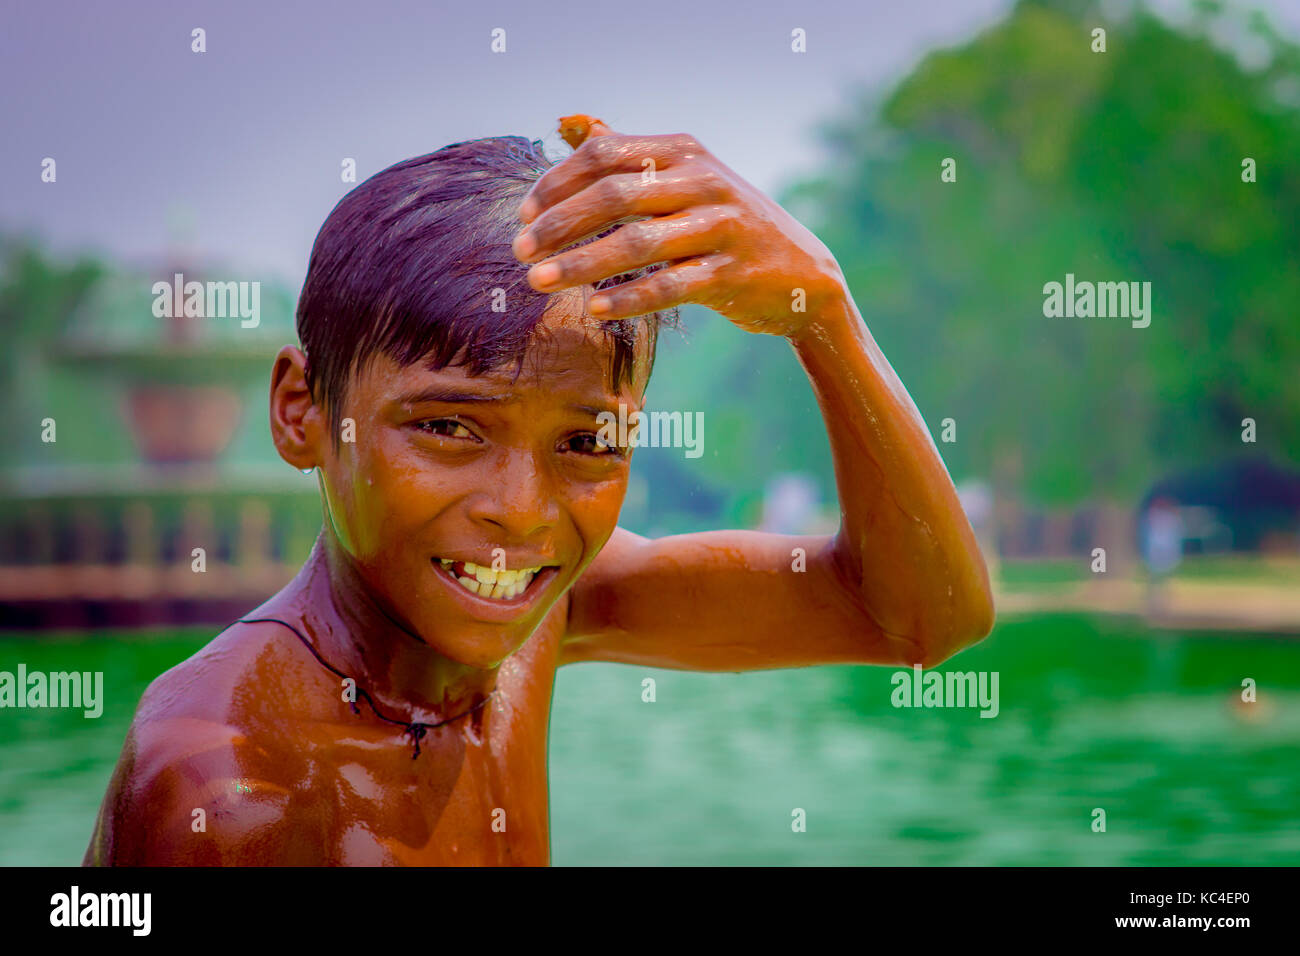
x,y
598,305
525,245
528,211
546,273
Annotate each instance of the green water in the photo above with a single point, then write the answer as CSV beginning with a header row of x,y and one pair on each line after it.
x,y
1093,713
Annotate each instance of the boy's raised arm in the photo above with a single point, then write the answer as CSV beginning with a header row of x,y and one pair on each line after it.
x,y
903,580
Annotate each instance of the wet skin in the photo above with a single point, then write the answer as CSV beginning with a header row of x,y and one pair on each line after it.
x,y
255,731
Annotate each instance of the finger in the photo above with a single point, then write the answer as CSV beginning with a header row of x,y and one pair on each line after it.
x,y
574,130
601,156
662,289
633,246
611,199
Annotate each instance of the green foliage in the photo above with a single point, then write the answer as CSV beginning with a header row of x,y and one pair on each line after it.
x,y
761,418
1115,166
37,297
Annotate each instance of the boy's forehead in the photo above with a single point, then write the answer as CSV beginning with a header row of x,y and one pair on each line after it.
x,y
568,348
569,353
568,337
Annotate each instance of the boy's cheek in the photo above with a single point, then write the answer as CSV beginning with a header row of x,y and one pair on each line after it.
x,y
363,510
599,520
377,480
338,512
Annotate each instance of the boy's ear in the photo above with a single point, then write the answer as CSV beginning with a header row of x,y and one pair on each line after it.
x,y
296,421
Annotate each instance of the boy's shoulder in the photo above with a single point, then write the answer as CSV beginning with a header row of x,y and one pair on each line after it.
x,y
242,680
206,753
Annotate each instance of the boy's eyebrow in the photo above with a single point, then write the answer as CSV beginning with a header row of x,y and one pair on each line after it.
x,y
448,396
452,397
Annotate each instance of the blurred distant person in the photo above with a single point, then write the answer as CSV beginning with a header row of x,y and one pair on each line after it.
x,y
1162,547
976,499
790,504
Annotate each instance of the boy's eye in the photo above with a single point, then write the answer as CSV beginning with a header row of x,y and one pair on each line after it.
x,y
589,443
447,427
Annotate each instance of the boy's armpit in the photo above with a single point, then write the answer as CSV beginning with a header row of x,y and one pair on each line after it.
x,y
723,601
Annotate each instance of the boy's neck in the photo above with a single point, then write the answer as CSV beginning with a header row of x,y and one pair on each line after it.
x,y
353,632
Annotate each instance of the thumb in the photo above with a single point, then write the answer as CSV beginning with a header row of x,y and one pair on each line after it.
x,y
575,129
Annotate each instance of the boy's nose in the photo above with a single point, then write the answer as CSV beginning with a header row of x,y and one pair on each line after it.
x,y
517,498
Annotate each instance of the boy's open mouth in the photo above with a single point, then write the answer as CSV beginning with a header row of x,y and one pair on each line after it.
x,y
506,585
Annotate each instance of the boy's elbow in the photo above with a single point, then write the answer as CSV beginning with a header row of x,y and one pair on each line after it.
x,y
982,616
968,625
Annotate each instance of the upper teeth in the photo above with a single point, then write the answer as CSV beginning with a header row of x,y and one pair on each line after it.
x,y
485,582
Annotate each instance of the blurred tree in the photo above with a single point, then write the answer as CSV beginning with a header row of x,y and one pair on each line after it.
x,y
1114,166
760,419
38,295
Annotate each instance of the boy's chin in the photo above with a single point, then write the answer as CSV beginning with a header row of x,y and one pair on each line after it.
x,y
483,646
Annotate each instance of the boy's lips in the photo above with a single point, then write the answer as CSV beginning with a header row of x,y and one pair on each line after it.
x,y
499,595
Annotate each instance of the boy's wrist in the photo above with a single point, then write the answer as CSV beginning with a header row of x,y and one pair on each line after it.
x,y
836,315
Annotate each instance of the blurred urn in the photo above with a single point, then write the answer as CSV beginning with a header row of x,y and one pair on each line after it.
x,y
173,424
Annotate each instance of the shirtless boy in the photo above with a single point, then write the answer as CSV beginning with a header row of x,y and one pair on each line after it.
x,y
390,705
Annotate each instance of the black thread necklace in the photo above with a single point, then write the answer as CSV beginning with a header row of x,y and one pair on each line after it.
x,y
415,729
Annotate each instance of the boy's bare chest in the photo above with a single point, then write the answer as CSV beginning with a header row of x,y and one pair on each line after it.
x,y
476,794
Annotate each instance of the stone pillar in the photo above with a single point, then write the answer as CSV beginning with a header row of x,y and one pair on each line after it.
x,y
1056,533
197,530
39,527
254,546
1116,531
141,537
88,534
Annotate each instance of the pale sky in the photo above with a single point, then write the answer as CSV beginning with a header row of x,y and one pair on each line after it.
x,y
238,150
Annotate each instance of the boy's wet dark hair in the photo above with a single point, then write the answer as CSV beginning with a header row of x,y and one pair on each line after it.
x,y
407,263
